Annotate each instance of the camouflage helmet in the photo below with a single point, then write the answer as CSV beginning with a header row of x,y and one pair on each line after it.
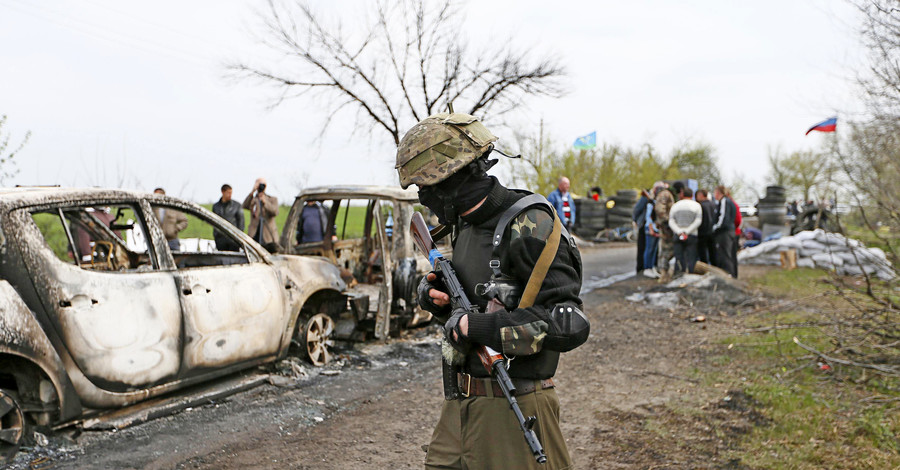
x,y
439,146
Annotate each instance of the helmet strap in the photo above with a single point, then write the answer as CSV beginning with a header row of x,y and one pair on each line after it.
x,y
507,155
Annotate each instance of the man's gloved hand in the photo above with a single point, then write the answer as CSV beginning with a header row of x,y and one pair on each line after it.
x,y
455,330
432,298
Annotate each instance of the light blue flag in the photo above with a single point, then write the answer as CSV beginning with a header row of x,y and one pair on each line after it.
x,y
586,141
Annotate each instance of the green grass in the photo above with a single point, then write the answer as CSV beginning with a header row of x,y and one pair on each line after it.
x,y
197,229
818,420
795,282
51,227
354,223
813,418
871,239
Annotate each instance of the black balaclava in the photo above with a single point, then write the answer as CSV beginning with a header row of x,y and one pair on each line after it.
x,y
459,192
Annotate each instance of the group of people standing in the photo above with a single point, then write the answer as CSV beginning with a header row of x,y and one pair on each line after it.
x,y
263,210
673,222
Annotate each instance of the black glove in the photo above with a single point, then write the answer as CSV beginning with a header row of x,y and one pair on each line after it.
x,y
461,343
424,299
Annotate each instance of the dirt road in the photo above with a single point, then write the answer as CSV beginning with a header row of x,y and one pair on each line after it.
x,y
378,411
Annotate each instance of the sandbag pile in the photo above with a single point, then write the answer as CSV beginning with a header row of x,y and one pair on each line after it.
x,y
825,250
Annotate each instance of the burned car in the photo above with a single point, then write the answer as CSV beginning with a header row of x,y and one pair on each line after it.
x,y
366,235
98,312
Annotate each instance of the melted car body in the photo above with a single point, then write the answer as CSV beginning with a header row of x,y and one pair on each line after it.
x,y
366,235
99,310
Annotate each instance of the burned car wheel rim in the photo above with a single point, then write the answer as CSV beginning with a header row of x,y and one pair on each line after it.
x,y
12,423
316,335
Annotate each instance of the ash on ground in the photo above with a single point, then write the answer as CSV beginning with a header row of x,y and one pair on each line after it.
x,y
699,294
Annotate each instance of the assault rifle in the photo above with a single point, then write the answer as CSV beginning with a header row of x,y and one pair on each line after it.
x,y
492,360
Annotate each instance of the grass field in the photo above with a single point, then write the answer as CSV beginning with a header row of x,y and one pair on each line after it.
x,y
354,222
818,417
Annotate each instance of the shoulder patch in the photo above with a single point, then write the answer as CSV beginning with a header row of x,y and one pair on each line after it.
x,y
534,222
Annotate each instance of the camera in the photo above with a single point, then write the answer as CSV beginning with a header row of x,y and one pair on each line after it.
x,y
261,188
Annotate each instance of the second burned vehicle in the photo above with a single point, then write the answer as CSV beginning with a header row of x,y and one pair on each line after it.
x,y
365,236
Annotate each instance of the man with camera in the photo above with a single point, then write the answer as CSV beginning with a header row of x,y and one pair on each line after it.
x,y
263,210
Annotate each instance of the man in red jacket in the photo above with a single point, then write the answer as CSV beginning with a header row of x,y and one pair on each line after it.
x,y
737,232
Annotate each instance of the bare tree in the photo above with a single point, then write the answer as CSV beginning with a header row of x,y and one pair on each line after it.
x,y
407,63
881,35
7,153
802,172
869,158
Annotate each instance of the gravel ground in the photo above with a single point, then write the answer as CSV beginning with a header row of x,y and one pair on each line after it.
x,y
376,406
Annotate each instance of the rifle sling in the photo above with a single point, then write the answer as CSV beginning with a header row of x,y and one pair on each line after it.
x,y
542,266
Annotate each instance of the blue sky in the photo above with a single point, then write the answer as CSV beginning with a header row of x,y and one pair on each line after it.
x,y
134,94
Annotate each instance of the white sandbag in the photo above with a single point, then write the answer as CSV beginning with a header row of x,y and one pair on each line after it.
x,y
753,251
806,252
804,235
805,263
825,266
825,258
885,274
851,270
767,247
819,236
873,258
789,243
850,257
837,248
857,270
814,246
836,239
769,259
878,252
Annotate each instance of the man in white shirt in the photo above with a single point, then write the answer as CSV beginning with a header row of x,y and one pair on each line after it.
x,y
684,220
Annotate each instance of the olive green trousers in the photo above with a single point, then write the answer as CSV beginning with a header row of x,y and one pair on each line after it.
x,y
482,433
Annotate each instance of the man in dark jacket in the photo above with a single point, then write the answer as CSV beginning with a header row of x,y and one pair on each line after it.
x,y
499,235
230,210
723,231
639,216
706,245
313,222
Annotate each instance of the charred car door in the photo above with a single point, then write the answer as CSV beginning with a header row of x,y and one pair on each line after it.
x,y
233,301
101,284
355,240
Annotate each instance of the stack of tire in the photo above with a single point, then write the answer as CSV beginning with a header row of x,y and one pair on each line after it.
x,y
590,217
771,209
620,214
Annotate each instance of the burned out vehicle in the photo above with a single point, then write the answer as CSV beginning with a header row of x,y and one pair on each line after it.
x,y
367,237
97,311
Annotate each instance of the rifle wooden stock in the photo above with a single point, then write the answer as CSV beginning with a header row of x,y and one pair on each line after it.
x,y
492,361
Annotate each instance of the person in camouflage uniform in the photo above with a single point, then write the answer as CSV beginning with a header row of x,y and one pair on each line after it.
x,y
498,235
662,204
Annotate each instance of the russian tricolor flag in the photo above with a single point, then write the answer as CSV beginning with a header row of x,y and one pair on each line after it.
x,y
827,125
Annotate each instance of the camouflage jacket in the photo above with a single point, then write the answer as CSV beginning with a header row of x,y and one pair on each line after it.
x,y
537,334
662,204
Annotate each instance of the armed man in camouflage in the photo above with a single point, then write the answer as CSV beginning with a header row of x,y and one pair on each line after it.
x,y
502,241
661,206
